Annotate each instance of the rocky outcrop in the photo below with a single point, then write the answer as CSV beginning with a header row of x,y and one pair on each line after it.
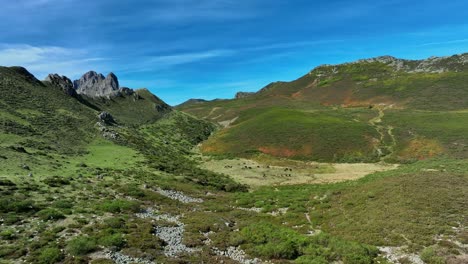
x,y
95,85
61,82
429,65
240,95
106,118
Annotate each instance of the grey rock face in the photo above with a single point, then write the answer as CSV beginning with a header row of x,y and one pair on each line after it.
x,y
240,95
62,82
95,85
430,65
106,118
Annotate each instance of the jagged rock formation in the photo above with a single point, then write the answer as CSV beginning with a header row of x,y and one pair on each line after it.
x,y
106,118
240,95
93,84
62,82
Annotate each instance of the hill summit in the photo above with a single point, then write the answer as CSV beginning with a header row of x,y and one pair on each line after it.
x,y
95,85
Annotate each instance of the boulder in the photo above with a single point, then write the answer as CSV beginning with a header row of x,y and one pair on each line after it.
x,y
106,118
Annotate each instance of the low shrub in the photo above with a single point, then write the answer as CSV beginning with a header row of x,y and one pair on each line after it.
x,y
119,206
50,256
81,245
50,214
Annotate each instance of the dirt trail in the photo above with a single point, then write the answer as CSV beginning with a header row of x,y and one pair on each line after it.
x,y
383,150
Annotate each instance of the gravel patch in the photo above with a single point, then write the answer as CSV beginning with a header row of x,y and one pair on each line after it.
x,y
120,258
393,254
253,209
179,196
172,235
236,254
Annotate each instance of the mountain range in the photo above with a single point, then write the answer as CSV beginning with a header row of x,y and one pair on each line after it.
x,y
366,110
357,163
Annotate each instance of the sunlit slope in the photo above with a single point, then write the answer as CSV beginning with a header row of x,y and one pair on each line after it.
x,y
365,98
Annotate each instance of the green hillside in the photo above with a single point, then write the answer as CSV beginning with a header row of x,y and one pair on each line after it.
x,y
138,108
402,96
75,189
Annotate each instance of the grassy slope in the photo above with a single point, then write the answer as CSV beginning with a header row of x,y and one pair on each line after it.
x,y
139,108
71,212
322,135
409,206
351,88
99,213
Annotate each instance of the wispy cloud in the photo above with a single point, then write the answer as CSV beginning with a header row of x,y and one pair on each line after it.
x,y
166,62
295,44
184,58
41,60
456,41
184,10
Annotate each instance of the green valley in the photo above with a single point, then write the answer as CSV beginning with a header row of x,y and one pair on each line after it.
x,y
360,163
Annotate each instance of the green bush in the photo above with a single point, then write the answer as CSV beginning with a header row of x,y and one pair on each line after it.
x,y
56,181
8,234
118,206
81,245
50,256
63,204
115,223
429,256
311,260
17,205
267,240
50,214
133,191
112,240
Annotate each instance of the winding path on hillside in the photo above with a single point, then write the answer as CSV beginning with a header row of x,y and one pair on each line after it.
x,y
376,122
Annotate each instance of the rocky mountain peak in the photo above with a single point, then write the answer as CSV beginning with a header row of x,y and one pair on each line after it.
x,y
62,82
93,84
112,81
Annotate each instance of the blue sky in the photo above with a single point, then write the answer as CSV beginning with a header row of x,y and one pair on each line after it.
x,y
183,49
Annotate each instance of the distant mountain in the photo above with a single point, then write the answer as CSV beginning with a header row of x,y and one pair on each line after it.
x,y
191,102
292,119
240,95
94,85
127,105
41,120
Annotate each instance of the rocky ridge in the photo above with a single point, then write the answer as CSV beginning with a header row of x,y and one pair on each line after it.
x,y
429,65
62,82
240,95
93,84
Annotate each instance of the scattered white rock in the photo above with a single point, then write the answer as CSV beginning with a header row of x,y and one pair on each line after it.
x,y
172,235
236,254
252,209
280,211
393,254
120,258
179,196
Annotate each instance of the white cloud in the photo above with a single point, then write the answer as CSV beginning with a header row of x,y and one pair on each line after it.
x,y
456,41
164,62
184,58
42,60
